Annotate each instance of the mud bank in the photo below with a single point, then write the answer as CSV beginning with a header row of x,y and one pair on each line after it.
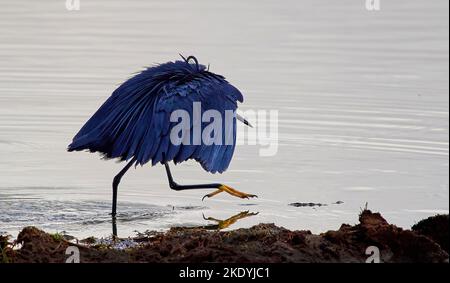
x,y
264,243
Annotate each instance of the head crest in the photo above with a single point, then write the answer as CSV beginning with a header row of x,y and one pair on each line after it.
x,y
191,58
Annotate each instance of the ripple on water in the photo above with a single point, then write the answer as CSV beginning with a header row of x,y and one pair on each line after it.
x,y
51,213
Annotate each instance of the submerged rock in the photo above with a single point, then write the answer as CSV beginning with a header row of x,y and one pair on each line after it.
x,y
303,204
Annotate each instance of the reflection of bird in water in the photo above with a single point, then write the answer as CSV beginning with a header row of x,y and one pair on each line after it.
x,y
222,224
135,123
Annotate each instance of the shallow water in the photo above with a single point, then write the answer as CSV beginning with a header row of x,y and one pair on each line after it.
x,y
362,99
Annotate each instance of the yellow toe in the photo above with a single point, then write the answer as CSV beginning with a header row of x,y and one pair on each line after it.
x,y
231,191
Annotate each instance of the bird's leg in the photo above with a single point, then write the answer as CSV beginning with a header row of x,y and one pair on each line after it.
x,y
114,226
220,187
116,182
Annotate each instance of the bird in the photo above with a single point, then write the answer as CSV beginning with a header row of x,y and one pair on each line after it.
x,y
134,124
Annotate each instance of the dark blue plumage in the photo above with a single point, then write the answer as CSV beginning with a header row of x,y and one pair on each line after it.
x,y
135,120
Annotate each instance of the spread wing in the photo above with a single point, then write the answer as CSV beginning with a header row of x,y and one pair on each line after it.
x,y
135,120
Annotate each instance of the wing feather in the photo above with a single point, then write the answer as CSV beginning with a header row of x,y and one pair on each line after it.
x,y
135,120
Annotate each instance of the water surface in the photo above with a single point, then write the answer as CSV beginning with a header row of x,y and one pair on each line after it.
x,y
362,99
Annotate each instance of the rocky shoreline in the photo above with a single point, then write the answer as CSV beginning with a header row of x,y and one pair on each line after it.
x,y
372,238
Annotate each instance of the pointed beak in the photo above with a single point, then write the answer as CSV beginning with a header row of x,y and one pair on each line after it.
x,y
243,120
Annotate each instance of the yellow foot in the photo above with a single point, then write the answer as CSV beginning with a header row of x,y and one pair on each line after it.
x,y
231,191
222,224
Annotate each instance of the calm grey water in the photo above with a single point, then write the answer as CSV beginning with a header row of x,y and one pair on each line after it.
x,y
362,98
